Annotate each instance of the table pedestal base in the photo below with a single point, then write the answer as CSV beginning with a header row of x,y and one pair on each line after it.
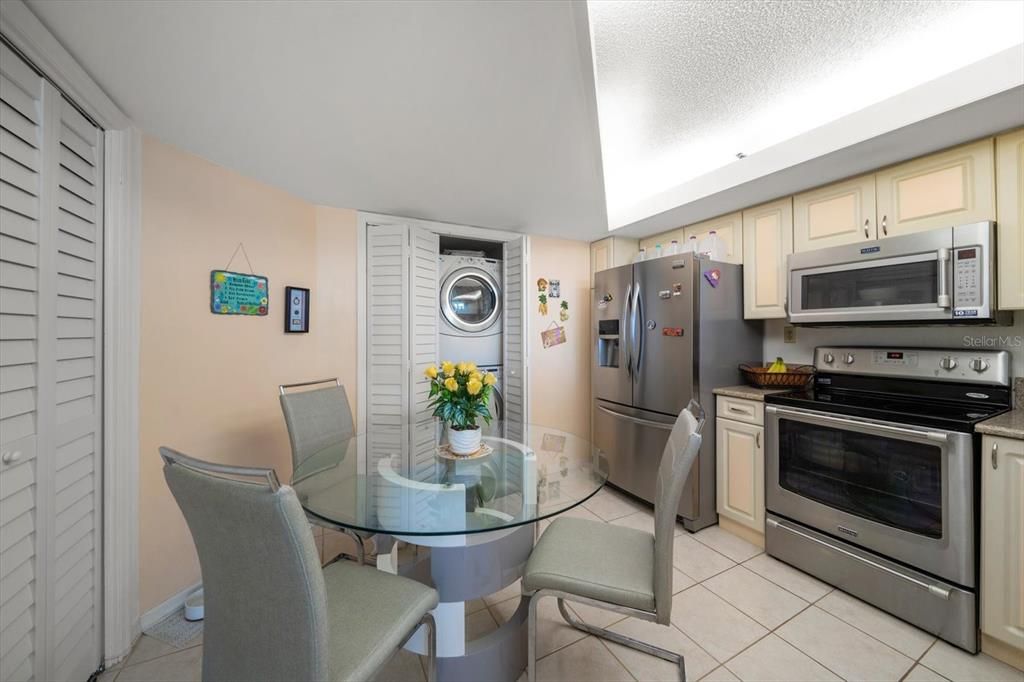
x,y
464,568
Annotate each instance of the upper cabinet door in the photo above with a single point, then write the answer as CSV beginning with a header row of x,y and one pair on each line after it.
x,y
767,241
843,213
729,229
954,187
1010,238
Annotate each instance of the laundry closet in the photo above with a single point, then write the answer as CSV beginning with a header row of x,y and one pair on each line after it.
x,y
430,292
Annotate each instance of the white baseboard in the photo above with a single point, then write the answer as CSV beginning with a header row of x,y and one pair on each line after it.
x,y
161,611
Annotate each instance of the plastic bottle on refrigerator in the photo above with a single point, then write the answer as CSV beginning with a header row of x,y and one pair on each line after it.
x,y
673,248
712,246
657,250
691,244
640,255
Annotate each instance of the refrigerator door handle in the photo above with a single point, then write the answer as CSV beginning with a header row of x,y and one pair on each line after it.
x,y
638,326
627,347
636,420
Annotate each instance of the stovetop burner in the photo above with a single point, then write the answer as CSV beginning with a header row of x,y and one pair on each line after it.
x,y
953,416
923,387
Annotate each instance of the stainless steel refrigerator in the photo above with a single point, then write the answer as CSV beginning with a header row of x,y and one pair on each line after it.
x,y
665,331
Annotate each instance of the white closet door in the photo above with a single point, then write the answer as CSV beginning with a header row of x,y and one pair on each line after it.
x,y
424,272
76,566
515,342
387,364
21,143
50,292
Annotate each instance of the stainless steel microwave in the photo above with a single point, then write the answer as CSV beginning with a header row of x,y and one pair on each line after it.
x,y
943,275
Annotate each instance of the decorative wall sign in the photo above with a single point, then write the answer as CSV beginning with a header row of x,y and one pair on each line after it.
x,y
237,293
553,335
555,288
296,310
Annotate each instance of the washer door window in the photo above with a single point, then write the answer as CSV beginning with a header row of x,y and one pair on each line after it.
x,y
470,300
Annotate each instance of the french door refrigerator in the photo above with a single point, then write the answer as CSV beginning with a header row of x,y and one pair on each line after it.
x,y
665,331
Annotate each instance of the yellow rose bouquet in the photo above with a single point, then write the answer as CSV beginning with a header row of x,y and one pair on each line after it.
x,y
460,394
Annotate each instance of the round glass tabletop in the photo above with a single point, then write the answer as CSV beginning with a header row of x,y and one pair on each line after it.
x,y
401,481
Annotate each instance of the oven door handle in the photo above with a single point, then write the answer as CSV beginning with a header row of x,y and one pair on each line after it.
x,y
884,429
933,589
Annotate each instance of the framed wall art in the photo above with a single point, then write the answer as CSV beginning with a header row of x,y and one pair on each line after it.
x,y
296,313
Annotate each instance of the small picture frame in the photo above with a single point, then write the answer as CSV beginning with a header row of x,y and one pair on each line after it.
x,y
554,288
296,310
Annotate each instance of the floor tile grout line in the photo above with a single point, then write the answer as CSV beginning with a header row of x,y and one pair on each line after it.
x,y
840,618
919,663
126,664
830,588
625,667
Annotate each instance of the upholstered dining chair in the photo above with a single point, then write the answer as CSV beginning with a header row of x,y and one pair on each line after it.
x,y
613,567
271,612
319,418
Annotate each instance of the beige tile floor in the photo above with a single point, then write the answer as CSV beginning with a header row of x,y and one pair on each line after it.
x,y
737,615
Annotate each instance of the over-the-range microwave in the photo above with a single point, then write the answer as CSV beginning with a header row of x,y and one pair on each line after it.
x,y
942,275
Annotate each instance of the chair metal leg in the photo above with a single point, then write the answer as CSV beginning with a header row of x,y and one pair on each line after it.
x,y
428,621
360,550
531,639
618,638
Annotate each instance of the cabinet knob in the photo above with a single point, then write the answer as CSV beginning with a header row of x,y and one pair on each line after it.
x,y
10,457
885,230
995,455
866,233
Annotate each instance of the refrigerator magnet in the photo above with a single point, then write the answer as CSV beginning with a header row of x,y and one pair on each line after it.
x,y
713,277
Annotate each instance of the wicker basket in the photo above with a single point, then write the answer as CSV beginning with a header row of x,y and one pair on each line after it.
x,y
796,376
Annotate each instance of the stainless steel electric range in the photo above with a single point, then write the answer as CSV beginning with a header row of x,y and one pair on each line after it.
x,y
872,478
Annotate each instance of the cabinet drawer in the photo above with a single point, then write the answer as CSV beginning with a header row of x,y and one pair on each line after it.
x,y
749,411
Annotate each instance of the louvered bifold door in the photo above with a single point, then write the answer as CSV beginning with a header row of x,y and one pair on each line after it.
x,y
21,189
424,266
76,578
387,359
50,323
515,342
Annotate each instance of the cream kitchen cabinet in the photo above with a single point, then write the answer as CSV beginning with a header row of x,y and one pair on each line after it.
x,y
843,213
611,252
954,187
1010,218
740,467
767,241
1002,547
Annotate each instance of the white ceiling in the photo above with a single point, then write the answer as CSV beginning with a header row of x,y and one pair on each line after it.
x,y
485,113
684,86
468,112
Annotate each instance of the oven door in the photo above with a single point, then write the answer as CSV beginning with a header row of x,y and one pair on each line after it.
x,y
900,279
901,491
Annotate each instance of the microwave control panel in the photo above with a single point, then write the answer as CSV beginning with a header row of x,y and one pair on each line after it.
x,y
967,278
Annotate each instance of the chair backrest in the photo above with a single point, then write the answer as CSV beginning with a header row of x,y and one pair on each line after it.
x,y
676,462
265,604
316,419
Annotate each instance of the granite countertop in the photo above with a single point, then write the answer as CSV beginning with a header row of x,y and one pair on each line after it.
x,y
748,392
1008,425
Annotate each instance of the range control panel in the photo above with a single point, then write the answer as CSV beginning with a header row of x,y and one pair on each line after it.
x,y
941,364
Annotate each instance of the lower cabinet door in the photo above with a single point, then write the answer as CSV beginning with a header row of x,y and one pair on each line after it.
x,y
1002,540
740,460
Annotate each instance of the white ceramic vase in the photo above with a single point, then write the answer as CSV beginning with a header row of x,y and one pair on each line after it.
x,y
464,442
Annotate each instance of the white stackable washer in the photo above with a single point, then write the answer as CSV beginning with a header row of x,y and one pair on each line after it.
x,y
470,301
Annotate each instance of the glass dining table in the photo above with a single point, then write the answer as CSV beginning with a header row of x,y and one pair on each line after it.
x,y
472,520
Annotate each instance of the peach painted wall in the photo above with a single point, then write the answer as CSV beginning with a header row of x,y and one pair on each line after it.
x,y
560,375
209,382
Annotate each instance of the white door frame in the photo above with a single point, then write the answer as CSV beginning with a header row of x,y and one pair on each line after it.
x,y
122,144
365,219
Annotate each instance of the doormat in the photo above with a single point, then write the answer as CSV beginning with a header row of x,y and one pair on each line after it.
x,y
175,631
